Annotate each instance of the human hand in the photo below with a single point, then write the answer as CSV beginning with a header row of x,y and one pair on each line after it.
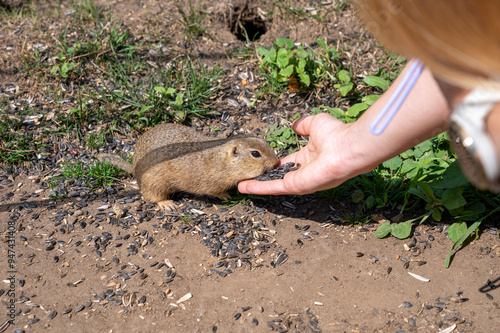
x,y
323,161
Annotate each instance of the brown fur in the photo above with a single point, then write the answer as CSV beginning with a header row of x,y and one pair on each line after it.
x,y
171,157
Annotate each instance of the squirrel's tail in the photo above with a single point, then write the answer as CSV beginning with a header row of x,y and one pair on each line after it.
x,y
118,161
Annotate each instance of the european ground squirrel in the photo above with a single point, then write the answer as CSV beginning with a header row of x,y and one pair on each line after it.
x,y
170,157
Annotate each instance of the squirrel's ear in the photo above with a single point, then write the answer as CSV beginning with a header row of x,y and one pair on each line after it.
x,y
233,150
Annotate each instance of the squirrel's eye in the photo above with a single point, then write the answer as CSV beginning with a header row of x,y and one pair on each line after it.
x,y
255,153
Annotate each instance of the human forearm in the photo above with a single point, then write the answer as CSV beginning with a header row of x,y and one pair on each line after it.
x,y
423,115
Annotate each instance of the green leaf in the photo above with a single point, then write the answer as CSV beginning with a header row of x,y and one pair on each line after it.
x,y
452,198
287,71
356,109
170,91
375,81
54,69
357,196
284,41
301,53
262,51
421,148
370,99
282,59
179,99
305,79
436,214
322,43
344,76
407,154
271,56
394,163
144,109
427,191
336,112
301,66
408,165
459,242
180,114
315,111
418,193
456,230
401,230
452,177
344,88
161,90
64,70
383,230
370,202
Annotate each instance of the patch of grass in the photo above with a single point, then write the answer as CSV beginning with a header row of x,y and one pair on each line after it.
x,y
341,5
191,19
25,9
73,55
79,118
96,175
16,144
290,12
95,140
87,10
176,91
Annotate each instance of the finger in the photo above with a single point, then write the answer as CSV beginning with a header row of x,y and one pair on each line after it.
x,y
272,187
302,125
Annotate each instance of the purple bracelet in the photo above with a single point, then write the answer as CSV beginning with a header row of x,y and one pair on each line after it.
x,y
402,91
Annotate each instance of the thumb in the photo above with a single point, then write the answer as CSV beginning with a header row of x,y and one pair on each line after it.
x,y
302,125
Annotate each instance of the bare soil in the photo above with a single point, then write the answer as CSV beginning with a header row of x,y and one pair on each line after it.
x,y
305,271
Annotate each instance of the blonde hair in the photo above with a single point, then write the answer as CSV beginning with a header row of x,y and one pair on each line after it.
x,y
459,40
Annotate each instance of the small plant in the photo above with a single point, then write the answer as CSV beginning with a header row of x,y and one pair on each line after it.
x,y
282,138
87,10
95,140
70,57
185,219
17,146
96,175
192,20
286,63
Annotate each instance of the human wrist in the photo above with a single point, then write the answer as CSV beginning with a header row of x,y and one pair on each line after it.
x,y
362,157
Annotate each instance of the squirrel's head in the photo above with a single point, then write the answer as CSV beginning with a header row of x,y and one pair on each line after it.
x,y
250,157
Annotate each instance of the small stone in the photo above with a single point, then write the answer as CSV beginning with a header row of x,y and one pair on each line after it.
x,y
407,304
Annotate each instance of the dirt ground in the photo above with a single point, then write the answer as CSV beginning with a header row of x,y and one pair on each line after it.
x,y
106,261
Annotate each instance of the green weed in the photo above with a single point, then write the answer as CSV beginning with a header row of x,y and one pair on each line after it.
x,y
185,219
192,19
87,10
95,140
286,64
17,145
96,175
290,12
173,92
103,42
283,138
